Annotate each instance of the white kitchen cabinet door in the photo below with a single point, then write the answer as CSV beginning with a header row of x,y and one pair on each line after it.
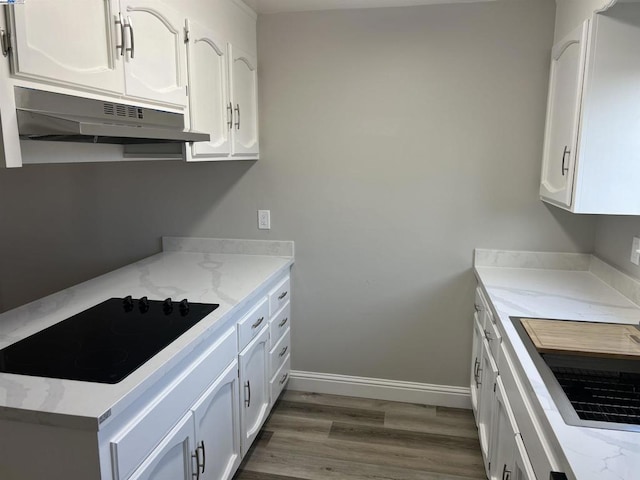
x,y
254,387
155,56
70,42
563,116
503,442
172,459
244,98
488,373
522,468
218,426
476,358
210,108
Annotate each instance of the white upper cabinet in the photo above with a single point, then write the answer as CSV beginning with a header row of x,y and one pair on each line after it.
x,y
69,42
563,116
131,48
154,56
244,99
210,108
223,97
591,159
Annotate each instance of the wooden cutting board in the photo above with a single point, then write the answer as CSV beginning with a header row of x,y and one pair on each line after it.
x,y
584,338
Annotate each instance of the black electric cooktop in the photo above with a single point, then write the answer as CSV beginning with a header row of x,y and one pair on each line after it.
x,y
105,343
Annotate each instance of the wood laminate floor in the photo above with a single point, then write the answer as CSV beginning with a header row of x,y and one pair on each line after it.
x,y
326,437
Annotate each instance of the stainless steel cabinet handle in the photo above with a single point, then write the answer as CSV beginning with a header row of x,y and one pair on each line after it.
x,y
478,382
120,22
4,41
258,322
237,116
283,351
248,400
196,456
282,295
204,457
476,367
284,378
283,322
564,156
132,48
230,116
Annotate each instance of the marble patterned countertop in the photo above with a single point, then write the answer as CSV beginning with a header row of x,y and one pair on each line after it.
x,y
567,287
227,272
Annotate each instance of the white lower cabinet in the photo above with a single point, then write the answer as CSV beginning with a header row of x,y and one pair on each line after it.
x,y
510,436
171,460
254,381
217,426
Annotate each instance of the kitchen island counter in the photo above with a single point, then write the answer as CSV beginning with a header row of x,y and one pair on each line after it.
x,y
564,287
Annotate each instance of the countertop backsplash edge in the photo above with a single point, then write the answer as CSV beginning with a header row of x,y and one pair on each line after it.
x,y
278,248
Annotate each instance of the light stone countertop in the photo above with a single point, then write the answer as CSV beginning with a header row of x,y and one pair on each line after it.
x,y
187,268
568,287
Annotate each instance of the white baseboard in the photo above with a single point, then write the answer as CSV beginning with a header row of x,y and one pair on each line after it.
x,y
380,389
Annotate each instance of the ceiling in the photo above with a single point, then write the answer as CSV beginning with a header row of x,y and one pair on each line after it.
x,y
278,6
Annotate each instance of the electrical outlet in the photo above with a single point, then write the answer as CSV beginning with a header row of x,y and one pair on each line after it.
x,y
635,251
264,219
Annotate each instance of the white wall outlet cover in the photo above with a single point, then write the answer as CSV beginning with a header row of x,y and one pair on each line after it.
x,y
635,251
264,219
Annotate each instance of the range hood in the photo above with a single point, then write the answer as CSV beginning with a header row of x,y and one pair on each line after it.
x,y
66,118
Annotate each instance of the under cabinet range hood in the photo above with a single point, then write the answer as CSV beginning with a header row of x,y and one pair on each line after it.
x,y
66,118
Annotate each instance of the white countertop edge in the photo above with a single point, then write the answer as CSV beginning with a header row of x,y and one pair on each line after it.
x,y
623,283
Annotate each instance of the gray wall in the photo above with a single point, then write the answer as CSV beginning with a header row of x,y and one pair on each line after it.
x,y
394,141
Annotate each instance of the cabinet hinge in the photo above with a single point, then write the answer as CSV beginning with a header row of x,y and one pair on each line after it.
x,y
186,36
494,387
186,90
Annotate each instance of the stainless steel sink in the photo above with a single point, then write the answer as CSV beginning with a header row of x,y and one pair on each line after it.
x,y
589,391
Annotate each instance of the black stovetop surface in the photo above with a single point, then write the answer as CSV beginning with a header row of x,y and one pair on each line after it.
x,y
104,343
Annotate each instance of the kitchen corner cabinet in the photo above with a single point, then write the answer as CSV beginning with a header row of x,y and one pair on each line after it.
x,y
511,438
591,154
223,98
131,48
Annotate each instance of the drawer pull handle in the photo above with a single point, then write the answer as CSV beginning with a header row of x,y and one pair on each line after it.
x,y
487,335
506,474
477,307
248,400
283,351
204,456
282,295
283,322
284,378
196,456
476,366
258,322
230,121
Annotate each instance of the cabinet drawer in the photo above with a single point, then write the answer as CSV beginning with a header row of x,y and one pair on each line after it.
x,y
280,379
480,306
280,323
492,334
140,436
252,323
279,353
279,295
